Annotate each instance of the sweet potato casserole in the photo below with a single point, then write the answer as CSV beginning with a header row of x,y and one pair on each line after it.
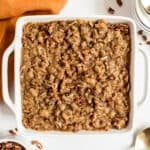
x,y
75,75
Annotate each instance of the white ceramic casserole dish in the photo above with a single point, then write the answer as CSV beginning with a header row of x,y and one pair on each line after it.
x,y
16,46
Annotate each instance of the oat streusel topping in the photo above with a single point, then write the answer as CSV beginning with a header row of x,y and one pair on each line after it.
x,y
75,75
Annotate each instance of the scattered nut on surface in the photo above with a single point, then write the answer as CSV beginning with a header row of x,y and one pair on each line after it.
x,y
111,10
140,32
148,42
119,2
12,132
144,37
37,144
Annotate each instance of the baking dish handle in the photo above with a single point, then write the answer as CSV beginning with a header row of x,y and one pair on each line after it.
x,y
146,97
5,90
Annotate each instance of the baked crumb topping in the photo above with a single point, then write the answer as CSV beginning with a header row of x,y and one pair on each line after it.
x,y
75,75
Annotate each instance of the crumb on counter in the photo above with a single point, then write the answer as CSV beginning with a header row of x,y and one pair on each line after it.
x,y
144,37
119,2
12,132
37,144
148,42
140,32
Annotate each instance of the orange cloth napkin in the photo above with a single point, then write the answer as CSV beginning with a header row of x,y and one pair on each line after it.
x,y
10,10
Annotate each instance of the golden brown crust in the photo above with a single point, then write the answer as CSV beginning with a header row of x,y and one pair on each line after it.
x,y
75,75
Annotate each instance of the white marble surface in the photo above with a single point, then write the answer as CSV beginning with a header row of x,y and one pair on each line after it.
x,y
92,142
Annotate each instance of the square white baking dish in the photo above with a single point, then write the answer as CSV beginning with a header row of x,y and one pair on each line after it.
x,y
16,47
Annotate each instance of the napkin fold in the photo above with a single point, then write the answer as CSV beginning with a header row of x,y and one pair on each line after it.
x,y
10,10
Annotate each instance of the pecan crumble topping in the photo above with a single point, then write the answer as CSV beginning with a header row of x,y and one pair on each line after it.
x,y
75,75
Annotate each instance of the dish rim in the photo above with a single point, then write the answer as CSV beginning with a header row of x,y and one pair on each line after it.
x,y
47,18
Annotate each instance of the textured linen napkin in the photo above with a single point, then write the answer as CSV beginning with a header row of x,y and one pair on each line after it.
x,y
10,10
